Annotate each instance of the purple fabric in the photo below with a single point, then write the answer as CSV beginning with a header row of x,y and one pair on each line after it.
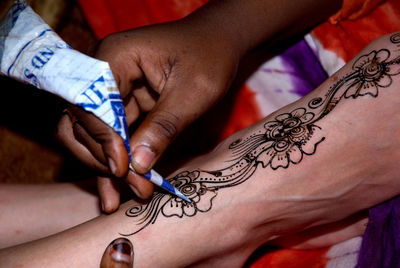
x,y
380,247
307,72
300,65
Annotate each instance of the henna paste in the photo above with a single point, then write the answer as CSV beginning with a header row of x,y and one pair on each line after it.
x,y
284,141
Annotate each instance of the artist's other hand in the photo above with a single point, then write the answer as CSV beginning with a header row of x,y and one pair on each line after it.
x,y
101,148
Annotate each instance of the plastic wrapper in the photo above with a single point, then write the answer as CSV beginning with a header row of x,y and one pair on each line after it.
x,y
30,51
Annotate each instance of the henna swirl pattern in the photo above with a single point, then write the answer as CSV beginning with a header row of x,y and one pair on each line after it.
x,y
282,142
395,38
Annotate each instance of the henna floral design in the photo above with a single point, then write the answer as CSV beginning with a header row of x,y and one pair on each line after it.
x,y
372,72
191,186
283,141
289,136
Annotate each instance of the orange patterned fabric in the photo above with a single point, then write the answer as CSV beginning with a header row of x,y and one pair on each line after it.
x,y
348,38
354,9
110,16
244,104
287,258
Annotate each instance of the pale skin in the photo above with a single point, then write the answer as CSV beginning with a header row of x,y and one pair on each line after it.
x,y
171,73
353,167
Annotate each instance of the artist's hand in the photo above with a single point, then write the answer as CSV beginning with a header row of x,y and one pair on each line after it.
x,y
168,75
171,74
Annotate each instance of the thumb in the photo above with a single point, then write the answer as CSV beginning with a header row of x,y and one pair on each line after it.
x,y
118,254
176,108
152,138
168,118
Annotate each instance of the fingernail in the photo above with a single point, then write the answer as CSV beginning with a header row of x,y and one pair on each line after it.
x,y
143,156
122,250
112,166
105,207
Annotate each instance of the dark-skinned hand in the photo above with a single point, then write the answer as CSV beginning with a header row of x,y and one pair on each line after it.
x,y
169,74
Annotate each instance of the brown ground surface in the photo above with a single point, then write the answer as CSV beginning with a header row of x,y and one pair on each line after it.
x,y
28,151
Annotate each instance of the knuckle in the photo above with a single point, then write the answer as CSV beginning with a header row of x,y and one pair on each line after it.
x,y
210,87
110,39
166,124
169,65
107,48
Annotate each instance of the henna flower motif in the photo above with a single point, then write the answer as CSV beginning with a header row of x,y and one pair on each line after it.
x,y
200,196
373,71
287,139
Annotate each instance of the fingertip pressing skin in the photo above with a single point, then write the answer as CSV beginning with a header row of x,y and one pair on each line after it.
x,y
118,254
109,194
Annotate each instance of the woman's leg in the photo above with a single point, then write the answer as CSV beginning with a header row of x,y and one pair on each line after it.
x,y
317,161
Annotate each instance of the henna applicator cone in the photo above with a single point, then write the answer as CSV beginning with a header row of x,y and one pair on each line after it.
x,y
31,52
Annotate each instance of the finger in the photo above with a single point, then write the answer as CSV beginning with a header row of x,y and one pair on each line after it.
x,y
118,254
175,110
112,144
132,109
65,135
140,101
84,138
140,186
145,98
123,61
109,194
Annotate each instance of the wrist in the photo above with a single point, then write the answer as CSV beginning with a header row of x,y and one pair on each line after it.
x,y
244,25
